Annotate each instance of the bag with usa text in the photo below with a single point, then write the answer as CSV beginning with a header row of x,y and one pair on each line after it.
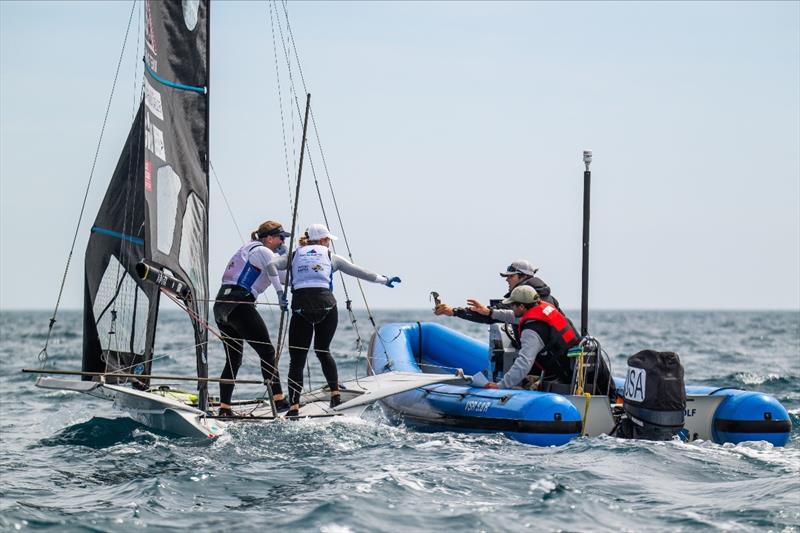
x,y
654,397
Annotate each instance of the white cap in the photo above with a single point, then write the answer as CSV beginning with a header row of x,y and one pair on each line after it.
x,y
520,266
319,231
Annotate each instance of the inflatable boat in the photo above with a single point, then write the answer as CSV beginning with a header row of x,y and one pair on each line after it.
x,y
544,418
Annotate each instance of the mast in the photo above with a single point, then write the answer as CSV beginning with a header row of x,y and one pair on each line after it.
x,y
202,354
294,225
587,182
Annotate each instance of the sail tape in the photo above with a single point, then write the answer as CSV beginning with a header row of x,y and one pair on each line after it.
x,y
118,235
201,90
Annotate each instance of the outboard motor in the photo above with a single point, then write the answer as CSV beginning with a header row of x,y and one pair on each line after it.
x,y
654,397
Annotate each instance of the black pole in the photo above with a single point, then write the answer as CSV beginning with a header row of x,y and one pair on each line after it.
x,y
294,227
587,182
202,355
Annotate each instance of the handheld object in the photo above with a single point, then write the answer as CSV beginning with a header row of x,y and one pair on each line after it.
x,y
436,301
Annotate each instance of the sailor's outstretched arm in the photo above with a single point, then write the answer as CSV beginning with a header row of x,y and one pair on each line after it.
x,y
277,263
340,263
504,315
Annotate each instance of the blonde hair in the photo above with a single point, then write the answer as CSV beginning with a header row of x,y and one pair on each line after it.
x,y
269,225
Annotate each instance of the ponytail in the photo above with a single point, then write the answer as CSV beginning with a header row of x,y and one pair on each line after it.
x,y
304,239
254,236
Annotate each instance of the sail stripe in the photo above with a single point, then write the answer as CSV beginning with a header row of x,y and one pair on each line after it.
x,y
201,90
118,235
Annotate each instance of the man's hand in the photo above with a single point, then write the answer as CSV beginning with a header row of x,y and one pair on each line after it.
x,y
443,309
476,307
491,385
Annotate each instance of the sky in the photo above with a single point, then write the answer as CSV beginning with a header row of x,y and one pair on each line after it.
x,y
453,134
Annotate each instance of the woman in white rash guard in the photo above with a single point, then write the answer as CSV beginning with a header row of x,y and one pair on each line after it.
x,y
314,311
245,277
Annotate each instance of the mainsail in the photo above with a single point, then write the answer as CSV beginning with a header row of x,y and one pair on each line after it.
x,y
156,206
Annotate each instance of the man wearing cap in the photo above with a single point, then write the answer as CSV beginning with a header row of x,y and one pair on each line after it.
x,y
543,336
245,277
519,273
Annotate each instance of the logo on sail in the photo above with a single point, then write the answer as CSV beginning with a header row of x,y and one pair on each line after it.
x,y
152,98
190,9
154,138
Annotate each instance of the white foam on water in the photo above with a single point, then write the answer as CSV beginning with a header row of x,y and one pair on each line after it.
x,y
750,378
335,528
544,485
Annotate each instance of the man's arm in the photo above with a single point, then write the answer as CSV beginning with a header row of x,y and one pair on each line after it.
x,y
532,344
504,315
472,316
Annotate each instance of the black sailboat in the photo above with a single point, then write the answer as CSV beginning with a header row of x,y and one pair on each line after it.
x,y
150,235
150,239
156,206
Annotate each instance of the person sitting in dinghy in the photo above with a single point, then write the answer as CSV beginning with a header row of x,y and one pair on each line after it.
x,y
245,277
543,336
519,273
314,311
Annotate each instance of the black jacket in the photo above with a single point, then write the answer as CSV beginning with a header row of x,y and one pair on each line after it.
x,y
537,283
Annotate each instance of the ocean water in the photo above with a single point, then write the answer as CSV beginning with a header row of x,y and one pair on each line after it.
x,y
71,463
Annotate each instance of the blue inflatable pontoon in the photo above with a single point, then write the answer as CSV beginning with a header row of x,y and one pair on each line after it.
x,y
543,418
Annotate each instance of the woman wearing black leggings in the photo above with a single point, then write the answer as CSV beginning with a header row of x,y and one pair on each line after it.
x,y
314,311
245,277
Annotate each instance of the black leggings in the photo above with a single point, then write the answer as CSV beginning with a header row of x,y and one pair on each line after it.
x,y
300,332
244,323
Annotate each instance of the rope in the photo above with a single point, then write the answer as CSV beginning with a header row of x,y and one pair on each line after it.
x,y
333,195
280,106
227,205
43,354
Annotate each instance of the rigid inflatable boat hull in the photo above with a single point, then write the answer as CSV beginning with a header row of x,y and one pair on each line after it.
x,y
544,419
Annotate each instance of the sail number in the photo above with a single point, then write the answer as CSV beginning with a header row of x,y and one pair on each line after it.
x,y
477,406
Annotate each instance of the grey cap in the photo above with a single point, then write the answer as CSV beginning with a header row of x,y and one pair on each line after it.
x,y
520,266
523,295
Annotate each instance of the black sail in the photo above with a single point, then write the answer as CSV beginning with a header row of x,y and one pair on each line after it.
x,y
171,172
119,312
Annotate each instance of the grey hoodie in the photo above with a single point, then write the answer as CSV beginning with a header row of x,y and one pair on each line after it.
x,y
530,346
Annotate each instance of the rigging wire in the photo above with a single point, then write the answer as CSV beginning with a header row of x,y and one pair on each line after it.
x,y
280,106
290,39
43,354
333,195
228,206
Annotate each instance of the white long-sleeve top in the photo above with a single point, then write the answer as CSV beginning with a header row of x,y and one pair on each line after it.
x,y
337,263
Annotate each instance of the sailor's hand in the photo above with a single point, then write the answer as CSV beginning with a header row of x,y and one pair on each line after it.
x,y
391,281
476,307
491,385
283,302
443,309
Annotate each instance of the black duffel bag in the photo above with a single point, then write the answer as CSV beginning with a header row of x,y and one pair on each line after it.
x,y
654,396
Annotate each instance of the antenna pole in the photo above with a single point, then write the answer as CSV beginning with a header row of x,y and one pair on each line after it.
x,y
587,182
294,227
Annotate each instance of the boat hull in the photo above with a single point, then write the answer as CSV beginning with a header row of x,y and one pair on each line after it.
x,y
540,418
152,410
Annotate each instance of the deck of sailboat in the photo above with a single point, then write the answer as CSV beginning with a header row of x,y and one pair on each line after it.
x,y
175,411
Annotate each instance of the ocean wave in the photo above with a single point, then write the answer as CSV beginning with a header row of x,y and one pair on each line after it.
x,y
100,433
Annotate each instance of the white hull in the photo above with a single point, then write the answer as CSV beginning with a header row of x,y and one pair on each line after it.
x,y
173,416
151,410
